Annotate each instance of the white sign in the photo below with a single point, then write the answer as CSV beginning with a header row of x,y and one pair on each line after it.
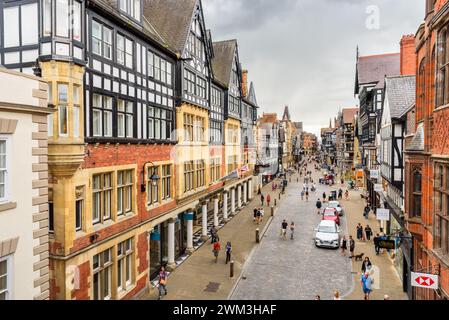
x,y
424,280
383,214
374,174
378,187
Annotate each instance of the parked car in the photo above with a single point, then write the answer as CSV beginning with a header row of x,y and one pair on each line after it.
x,y
327,234
331,214
336,205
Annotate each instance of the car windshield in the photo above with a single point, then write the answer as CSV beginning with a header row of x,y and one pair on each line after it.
x,y
327,229
333,204
329,213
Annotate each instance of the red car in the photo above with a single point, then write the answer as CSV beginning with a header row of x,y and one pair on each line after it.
x,y
331,214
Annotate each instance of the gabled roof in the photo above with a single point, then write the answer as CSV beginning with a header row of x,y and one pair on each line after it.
x,y
224,52
373,69
417,143
252,94
400,92
172,19
348,115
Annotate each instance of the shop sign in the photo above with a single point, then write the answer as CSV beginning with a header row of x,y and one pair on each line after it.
x,y
378,187
374,174
383,214
424,280
387,244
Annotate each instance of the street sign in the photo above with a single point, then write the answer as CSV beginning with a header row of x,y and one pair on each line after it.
x,y
424,280
383,214
378,187
387,244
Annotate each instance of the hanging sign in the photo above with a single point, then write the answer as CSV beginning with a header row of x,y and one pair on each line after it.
x,y
383,214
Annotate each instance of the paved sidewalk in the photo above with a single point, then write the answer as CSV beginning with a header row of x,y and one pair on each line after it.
x,y
387,282
199,277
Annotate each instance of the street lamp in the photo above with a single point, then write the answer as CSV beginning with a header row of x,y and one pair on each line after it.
x,y
154,177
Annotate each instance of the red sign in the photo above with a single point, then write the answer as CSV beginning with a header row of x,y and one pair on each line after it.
x,y
423,280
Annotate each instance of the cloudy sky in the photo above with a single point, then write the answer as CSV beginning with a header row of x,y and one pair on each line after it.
x,y
301,53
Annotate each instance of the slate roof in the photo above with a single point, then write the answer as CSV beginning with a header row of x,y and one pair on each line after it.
x,y
223,58
401,93
172,19
373,69
348,114
417,143
252,94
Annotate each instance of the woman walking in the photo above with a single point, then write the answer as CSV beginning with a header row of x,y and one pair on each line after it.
x,y
368,232
346,195
228,252
162,282
292,230
366,265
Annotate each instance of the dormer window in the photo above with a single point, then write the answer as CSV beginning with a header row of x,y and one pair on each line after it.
x,y
131,8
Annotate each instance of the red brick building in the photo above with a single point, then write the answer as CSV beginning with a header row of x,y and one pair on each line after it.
x,y
427,150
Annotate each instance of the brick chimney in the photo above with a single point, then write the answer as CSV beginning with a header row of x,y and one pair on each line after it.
x,y
408,55
245,83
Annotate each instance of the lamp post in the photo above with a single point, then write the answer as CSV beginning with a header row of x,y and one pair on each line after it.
x,y
154,177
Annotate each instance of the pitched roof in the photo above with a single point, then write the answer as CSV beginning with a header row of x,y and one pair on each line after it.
x,y
252,94
348,114
286,115
373,69
172,19
269,118
223,57
400,92
417,143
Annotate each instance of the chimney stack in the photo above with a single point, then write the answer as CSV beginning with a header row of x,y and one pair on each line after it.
x,y
408,55
245,83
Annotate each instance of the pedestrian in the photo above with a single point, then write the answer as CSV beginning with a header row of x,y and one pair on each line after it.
x,y
376,243
255,214
262,198
262,213
368,232
351,247
213,234
228,251
337,295
359,232
343,245
302,195
216,250
366,212
258,216
346,195
318,206
324,196
307,195
162,282
366,265
292,230
340,194
367,283
268,199
284,226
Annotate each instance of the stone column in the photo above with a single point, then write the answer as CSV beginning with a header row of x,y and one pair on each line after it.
x,y
171,245
250,189
245,192
239,196
204,222
232,200
225,206
216,212
189,217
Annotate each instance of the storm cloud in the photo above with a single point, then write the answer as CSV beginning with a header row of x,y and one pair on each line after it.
x,y
302,53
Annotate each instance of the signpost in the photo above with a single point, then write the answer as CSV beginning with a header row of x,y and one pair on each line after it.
x,y
424,280
383,214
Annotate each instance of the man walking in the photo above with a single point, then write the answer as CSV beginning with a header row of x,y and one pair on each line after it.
x,y
324,196
216,250
366,211
284,226
318,206
368,232
367,284
228,252
262,198
376,243
351,247
359,232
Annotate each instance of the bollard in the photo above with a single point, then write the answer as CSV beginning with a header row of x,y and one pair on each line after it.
x,y
272,211
231,269
257,235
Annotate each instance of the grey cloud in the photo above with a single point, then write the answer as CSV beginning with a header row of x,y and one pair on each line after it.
x,y
302,52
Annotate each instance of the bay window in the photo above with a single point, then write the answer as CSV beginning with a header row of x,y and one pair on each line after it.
x,y
46,24
63,109
76,20
189,82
